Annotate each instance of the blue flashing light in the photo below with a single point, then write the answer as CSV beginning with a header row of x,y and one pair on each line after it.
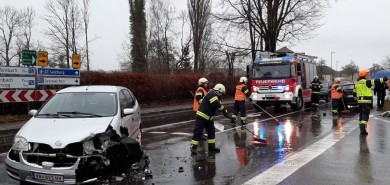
x,y
287,58
280,87
258,60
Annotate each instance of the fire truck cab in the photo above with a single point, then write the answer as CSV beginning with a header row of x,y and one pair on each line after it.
x,y
282,80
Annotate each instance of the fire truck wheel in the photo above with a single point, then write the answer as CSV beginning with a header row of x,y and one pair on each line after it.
x,y
299,103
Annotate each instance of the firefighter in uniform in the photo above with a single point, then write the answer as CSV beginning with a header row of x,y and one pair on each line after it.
x,y
242,92
200,92
364,97
204,118
336,96
315,86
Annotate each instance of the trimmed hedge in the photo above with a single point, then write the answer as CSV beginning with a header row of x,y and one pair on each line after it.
x,y
156,87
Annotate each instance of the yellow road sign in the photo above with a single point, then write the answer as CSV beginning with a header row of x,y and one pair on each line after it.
x,y
43,58
76,61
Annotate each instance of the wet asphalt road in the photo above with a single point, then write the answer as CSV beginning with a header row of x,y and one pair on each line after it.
x,y
351,160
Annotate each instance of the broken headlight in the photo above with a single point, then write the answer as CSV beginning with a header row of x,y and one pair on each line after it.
x,y
21,144
89,147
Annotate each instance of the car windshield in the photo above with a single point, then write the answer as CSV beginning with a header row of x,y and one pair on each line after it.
x,y
276,70
80,105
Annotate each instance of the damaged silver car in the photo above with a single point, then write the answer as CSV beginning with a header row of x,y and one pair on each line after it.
x,y
82,134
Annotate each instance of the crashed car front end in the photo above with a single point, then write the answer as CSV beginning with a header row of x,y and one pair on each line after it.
x,y
98,156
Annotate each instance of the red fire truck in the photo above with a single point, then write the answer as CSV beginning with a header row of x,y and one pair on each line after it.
x,y
282,80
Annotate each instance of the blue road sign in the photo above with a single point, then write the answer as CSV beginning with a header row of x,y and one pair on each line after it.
x,y
58,72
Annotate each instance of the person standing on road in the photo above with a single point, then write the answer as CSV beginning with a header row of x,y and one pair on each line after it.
x,y
315,86
204,118
242,92
364,97
336,96
200,92
380,92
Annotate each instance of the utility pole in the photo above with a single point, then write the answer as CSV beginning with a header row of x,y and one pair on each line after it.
x,y
331,63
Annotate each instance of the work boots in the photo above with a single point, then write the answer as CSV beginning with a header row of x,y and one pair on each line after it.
x,y
243,122
363,129
193,149
213,149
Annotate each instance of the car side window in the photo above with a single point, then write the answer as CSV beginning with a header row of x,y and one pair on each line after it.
x,y
129,99
122,100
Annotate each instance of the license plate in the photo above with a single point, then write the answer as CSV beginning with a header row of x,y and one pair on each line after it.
x,y
269,95
49,177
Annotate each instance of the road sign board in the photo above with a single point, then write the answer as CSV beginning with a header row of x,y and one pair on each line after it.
x,y
76,61
28,71
58,72
42,58
58,81
11,82
29,57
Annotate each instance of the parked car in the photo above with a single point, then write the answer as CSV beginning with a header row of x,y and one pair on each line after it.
x,y
349,98
80,134
326,91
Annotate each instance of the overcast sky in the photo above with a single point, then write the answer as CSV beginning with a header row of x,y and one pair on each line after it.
x,y
357,30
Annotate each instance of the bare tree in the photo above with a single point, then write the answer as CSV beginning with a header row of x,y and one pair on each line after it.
x,y
10,20
160,44
275,20
58,20
86,15
386,62
25,33
375,68
350,68
199,13
75,25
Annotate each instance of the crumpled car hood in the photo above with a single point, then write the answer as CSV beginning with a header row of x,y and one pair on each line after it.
x,y
58,133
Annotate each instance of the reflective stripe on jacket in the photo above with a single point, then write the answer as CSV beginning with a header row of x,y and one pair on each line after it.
x,y
200,91
336,91
209,106
316,87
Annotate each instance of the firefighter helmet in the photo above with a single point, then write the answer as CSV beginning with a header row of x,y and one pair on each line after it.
x,y
363,73
202,81
337,80
243,79
316,77
220,88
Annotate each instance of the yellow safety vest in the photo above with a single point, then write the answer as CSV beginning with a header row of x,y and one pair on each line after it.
x,y
364,94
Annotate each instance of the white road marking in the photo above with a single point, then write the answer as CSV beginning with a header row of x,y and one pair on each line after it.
x,y
282,170
181,134
157,132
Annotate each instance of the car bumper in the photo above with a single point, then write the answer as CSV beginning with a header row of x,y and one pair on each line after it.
x,y
281,97
23,170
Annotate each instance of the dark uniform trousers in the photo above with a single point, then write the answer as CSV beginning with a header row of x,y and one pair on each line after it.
x,y
239,106
201,124
364,112
336,105
315,98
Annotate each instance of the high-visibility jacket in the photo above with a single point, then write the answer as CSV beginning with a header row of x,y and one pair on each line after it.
x,y
209,106
242,91
199,95
336,91
363,92
316,87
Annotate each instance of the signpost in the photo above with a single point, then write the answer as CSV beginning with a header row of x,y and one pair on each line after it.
x,y
29,57
27,71
17,82
58,81
43,58
76,61
58,72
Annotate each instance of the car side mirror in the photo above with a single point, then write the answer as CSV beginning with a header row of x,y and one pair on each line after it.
x,y
32,112
128,111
